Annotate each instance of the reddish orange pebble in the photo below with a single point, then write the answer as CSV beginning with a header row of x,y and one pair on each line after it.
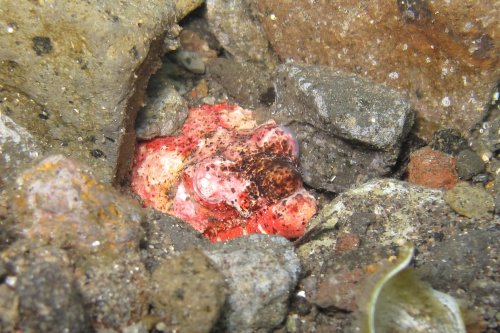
x,y
432,168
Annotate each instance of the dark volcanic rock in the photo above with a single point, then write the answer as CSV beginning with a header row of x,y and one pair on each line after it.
x,y
238,30
469,164
115,291
249,84
456,262
343,105
380,212
350,129
87,63
333,164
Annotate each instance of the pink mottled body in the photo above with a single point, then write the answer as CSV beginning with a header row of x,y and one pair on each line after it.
x,y
225,175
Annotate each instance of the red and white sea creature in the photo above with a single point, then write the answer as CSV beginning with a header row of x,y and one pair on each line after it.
x,y
225,175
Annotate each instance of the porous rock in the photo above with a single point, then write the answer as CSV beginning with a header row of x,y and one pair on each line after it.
x,y
38,284
470,201
261,271
333,164
167,236
87,63
60,202
469,164
115,291
442,54
188,293
346,106
380,212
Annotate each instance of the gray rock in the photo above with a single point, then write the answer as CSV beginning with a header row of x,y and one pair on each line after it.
x,y
455,263
168,236
332,164
261,271
49,300
349,129
190,61
343,105
449,141
469,164
249,84
41,291
381,213
163,115
115,291
189,293
87,63
234,24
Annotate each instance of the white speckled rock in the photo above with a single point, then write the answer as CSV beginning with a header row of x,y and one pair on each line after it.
x,y
261,271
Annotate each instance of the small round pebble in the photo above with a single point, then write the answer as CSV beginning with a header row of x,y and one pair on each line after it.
x,y
432,168
470,201
469,164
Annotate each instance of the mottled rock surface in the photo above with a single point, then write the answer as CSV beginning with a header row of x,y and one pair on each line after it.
x,y
350,129
379,212
333,164
189,293
432,168
116,291
261,271
343,105
251,87
38,284
87,64
470,201
469,164
442,54
60,202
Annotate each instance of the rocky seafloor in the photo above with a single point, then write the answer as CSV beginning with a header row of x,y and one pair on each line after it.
x,y
394,108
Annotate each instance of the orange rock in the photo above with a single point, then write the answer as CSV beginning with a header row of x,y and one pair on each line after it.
x,y
432,168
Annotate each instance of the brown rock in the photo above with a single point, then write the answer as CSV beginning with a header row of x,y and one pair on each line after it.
x,y
347,241
432,168
87,63
442,54
61,203
189,293
338,290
